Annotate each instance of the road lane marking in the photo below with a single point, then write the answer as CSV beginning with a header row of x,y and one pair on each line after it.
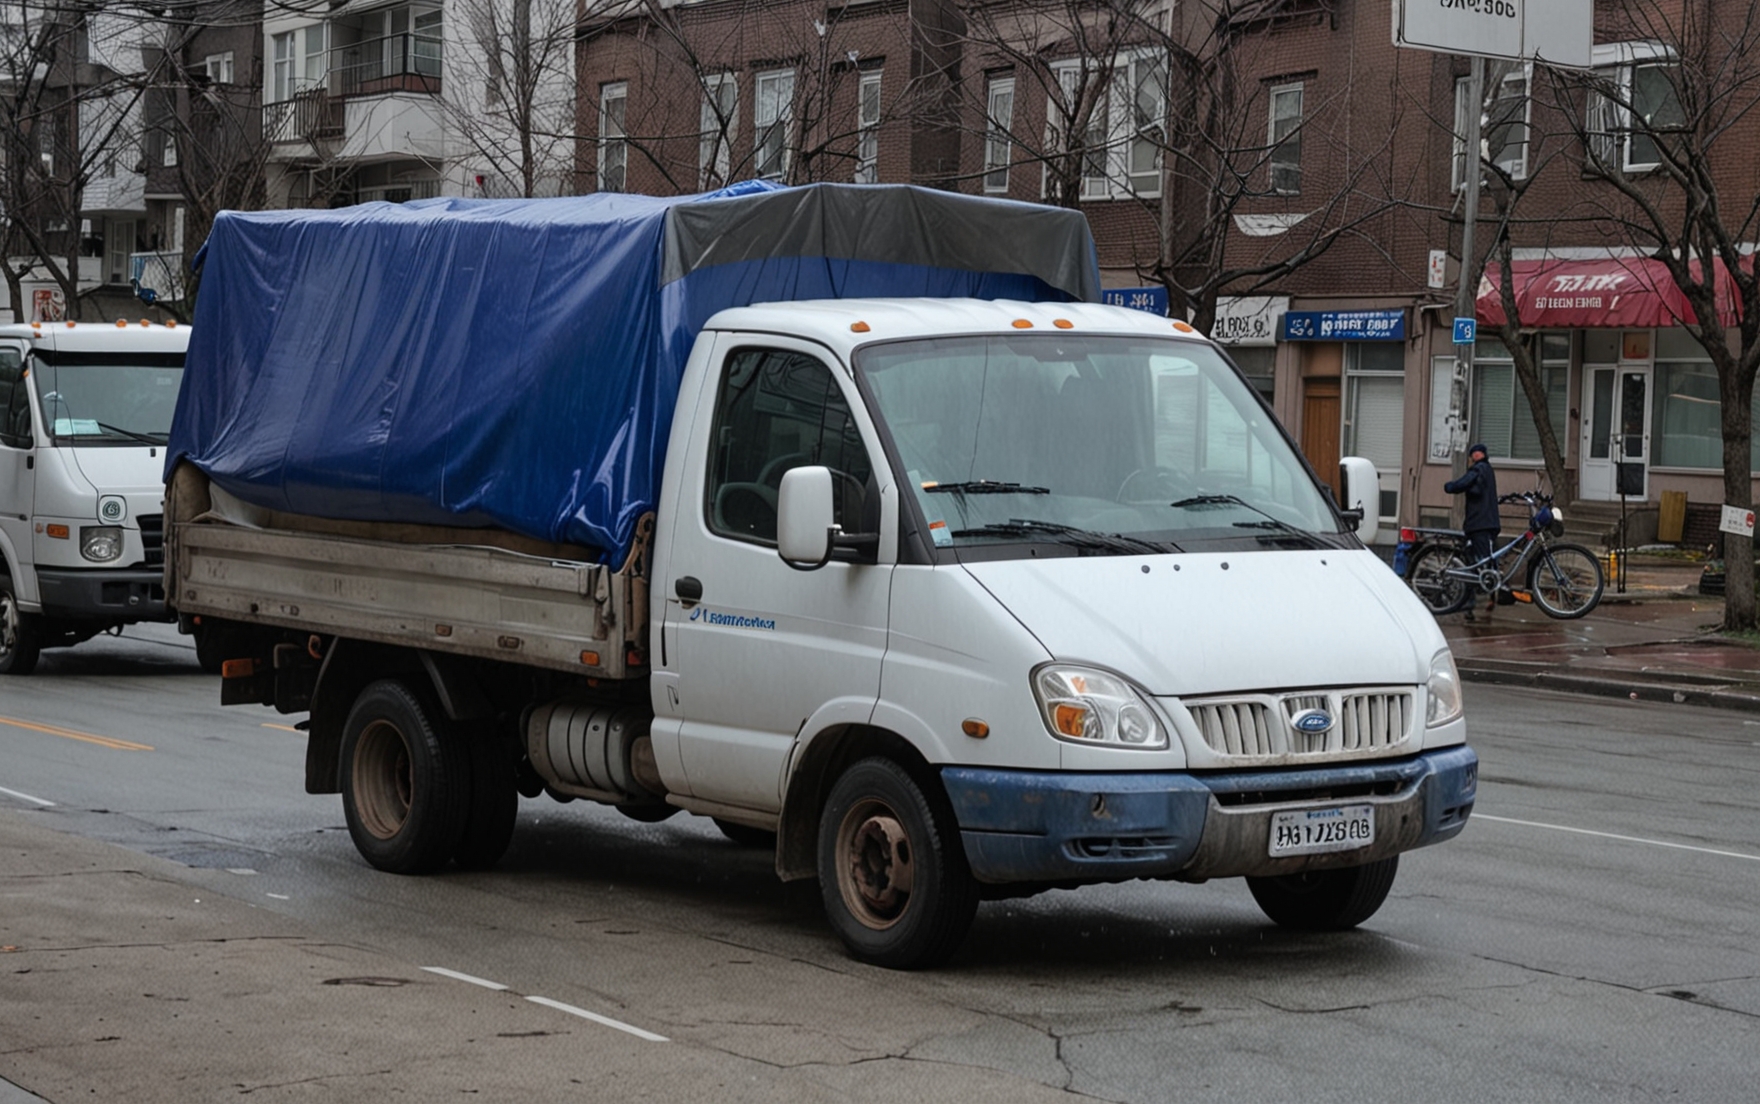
x,y
1623,839
28,797
456,976
598,1019
68,733
284,728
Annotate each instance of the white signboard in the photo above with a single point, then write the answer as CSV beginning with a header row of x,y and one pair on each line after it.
x,y
1248,319
1557,32
1738,521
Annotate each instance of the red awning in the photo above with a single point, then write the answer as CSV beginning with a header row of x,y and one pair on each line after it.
x,y
1599,294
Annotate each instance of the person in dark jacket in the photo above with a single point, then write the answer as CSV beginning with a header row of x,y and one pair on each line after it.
x,y
1479,484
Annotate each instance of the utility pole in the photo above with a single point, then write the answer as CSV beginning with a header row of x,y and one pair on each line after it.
x,y
1467,294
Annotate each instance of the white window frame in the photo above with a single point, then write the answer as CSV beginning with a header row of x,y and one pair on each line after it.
x,y
718,122
281,70
772,117
868,110
1292,137
314,59
1114,140
1514,163
1608,125
998,125
613,139
218,67
168,151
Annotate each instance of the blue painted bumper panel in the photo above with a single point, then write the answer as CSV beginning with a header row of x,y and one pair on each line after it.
x,y
1028,826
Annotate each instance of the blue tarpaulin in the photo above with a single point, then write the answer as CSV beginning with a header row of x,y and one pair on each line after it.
x,y
514,363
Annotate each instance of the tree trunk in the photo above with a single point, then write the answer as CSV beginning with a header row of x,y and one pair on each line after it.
x,y
1528,372
1737,387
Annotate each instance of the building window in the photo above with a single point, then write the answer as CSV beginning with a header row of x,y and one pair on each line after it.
x,y
868,129
1375,412
218,67
1121,146
1258,363
770,119
613,148
314,72
119,244
1633,100
1286,139
281,72
169,152
1501,416
998,121
720,118
1687,423
1504,123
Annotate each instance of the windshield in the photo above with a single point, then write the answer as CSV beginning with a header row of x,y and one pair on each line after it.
x,y
1108,444
91,399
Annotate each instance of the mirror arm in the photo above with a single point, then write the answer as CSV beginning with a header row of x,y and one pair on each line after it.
x,y
831,537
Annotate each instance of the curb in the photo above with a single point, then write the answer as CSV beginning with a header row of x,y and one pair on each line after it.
x,y
1723,696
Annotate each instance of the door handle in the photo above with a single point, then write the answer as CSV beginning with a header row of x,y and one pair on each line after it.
x,y
688,588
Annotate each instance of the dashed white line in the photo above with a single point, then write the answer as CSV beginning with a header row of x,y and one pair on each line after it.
x,y
456,976
598,1019
1622,839
27,797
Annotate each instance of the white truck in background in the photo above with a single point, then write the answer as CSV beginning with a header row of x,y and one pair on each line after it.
x,y
85,412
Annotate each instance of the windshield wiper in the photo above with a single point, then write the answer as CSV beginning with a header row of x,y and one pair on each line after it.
x,y
155,439
1068,534
982,486
1283,528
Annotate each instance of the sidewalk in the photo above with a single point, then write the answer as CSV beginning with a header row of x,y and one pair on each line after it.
x,y
1655,642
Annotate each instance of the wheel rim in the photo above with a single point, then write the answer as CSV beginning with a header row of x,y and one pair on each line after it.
x,y
1431,582
383,779
8,626
876,866
1563,582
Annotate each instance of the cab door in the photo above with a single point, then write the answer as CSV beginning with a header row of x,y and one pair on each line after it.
x,y
17,466
765,652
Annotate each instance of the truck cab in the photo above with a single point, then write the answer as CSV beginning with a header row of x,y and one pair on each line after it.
x,y
85,411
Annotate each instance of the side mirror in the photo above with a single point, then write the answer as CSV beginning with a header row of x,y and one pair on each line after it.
x,y
805,529
1362,496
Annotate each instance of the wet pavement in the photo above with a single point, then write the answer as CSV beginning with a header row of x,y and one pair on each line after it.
x,y
1657,641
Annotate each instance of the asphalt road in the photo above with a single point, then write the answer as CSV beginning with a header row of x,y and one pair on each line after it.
x,y
1590,937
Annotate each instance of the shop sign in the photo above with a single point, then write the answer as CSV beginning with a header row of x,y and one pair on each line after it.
x,y
1248,319
1363,325
1151,299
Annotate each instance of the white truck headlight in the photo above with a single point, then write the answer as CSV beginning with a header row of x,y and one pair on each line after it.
x,y
1444,690
100,543
1086,706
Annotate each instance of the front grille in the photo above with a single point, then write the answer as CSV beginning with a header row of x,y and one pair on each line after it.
x,y
1264,726
153,538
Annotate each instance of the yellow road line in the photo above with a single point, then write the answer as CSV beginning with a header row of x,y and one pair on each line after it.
x,y
102,741
283,728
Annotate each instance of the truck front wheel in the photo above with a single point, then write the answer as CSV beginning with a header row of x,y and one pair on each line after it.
x,y
405,780
891,869
1325,900
18,634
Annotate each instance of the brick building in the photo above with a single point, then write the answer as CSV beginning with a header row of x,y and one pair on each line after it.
x,y
1287,173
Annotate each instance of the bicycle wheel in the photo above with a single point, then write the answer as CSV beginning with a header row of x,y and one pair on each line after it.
x,y
1566,581
1439,591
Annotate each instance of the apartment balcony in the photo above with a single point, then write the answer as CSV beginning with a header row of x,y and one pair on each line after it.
x,y
378,102
156,276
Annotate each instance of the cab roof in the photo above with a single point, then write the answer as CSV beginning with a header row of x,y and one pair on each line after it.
x,y
101,337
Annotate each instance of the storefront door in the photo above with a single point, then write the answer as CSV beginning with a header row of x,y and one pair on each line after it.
x,y
1616,430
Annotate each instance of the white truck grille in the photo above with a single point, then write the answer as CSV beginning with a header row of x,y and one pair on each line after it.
x,y
1265,726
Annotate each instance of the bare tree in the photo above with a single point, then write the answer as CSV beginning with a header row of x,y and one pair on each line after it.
x,y
511,93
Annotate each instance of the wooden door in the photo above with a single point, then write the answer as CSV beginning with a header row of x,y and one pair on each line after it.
x,y
1321,419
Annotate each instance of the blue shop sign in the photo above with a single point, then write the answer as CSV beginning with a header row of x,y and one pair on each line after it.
x,y
1151,299
1363,325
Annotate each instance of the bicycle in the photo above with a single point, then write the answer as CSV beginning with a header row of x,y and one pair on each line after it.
x,y
1564,580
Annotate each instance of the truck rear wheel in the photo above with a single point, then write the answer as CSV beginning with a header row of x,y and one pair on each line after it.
x,y
494,805
405,781
1325,900
891,869
18,634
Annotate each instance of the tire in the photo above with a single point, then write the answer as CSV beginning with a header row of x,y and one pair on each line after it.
x,y
211,647
745,835
878,828
19,642
1325,900
1566,581
405,783
493,807
1427,577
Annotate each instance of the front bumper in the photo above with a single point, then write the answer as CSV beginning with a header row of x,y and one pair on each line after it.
x,y
1030,826
115,595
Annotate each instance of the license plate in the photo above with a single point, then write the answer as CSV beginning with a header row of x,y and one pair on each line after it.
x,y
1316,831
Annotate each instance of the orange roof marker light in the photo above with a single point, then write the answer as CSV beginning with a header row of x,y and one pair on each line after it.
x,y
171,323
122,323
1184,327
70,323
1063,324
1022,324
859,327
144,322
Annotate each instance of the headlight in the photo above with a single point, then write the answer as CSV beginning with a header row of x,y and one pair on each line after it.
x,y
1444,689
100,543
1085,706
